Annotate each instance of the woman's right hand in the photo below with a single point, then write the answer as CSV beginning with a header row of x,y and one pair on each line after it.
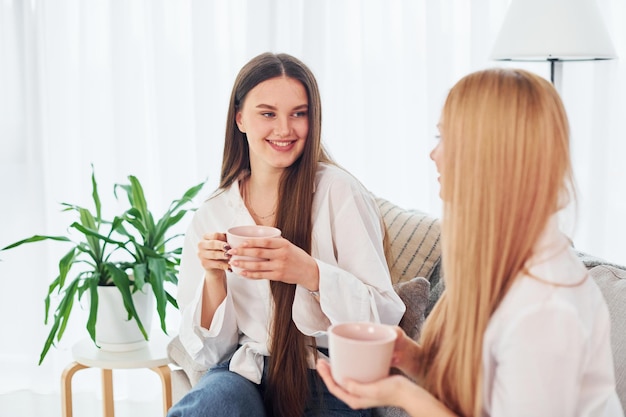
x,y
212,255
406,354
212,252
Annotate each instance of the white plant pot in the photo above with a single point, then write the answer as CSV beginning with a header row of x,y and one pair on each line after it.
x,y
114,332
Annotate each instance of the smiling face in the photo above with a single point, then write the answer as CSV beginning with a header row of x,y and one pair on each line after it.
x,y
274,117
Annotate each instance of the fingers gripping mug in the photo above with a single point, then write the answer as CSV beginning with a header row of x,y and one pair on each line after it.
x,y
235,236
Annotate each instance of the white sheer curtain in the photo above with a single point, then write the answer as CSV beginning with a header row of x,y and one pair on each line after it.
x,y
141,87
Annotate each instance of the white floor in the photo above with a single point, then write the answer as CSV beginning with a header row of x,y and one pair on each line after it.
x,y
29,404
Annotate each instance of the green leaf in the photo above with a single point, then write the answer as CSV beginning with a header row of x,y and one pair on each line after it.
x,y
120,278
171,300
140,272
138,221
93,308
92,233
88,224
157,273
171,217
139,200
51,289
172,277
65,307
61,318
36,238
95,196
49,342
189,195
167,222
65,264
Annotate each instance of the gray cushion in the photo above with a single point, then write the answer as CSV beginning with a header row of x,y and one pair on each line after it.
x,y
612,282
389,412
415,295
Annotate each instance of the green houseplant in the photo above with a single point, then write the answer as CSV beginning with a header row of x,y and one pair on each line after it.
x,y
127,252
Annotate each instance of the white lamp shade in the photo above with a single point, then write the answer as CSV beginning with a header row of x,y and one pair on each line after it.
x,y
538,30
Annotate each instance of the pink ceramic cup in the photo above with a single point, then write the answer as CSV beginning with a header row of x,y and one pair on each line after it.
x,y
235,236
360,351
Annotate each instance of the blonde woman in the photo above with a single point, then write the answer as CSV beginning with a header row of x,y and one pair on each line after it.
x,y
521,329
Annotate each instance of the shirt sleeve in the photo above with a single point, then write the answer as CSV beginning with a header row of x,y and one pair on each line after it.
x,y
539,364
355,283
206,347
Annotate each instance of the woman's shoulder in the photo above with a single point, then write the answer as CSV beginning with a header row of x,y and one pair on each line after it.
x,y
338,188
220,204
572,298
217,198
330,176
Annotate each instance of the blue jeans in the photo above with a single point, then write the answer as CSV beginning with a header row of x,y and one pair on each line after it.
x,y
223,393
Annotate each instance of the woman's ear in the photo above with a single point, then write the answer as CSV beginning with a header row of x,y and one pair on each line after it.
x,y
238,120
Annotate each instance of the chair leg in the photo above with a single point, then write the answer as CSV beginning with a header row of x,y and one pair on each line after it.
x,y
66,387
166,380
107,393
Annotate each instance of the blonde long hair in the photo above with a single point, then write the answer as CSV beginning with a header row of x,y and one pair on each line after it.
x,y
506,170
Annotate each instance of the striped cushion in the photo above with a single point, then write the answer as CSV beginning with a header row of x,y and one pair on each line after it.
x,y
413,237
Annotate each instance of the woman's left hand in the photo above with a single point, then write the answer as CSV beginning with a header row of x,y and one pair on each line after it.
x,y
364,395
394,391
286,262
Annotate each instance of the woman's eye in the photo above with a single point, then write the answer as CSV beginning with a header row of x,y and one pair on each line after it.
x,y
267,114
300,114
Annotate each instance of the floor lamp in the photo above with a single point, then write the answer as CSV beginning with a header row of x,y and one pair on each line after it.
x,y
553,31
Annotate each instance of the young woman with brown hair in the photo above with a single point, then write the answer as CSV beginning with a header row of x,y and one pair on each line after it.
x,y
520,330
260,331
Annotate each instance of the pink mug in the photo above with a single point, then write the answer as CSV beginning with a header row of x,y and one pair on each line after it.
x,y
235,236
360,351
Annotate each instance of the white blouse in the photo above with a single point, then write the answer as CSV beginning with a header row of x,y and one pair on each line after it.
x,y
547,349
354,285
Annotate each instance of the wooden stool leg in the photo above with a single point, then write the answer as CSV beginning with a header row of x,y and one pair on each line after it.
x,y
166,380
66,387
107,393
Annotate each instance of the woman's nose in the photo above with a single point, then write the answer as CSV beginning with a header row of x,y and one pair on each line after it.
x,y
282,127
432,153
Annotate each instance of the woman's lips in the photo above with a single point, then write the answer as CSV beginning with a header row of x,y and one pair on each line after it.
x,y
281,145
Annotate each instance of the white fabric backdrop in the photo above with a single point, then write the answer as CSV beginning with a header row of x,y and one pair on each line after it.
x,y
141,87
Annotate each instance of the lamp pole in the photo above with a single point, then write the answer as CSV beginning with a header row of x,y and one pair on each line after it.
x,y
556,73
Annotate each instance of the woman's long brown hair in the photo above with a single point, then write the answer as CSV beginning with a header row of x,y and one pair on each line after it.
x,y
287,386
506,170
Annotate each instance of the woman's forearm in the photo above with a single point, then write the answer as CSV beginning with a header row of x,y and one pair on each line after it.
x,y
418,402
213,294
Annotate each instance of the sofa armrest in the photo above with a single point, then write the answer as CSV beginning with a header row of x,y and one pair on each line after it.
x,y
179,357
612,282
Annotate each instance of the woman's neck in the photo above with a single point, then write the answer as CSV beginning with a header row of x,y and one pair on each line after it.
x,y
260,195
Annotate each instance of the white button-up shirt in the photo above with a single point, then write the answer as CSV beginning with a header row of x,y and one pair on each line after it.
x,y
354,285
547,349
